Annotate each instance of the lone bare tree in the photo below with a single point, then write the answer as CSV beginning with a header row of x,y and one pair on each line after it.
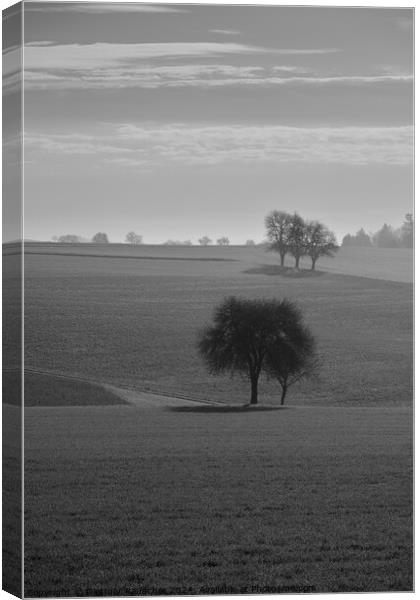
x,y
100,238
204,241
133,239
69,238
296,238
223,241
320,241
293,357
253,336
277,224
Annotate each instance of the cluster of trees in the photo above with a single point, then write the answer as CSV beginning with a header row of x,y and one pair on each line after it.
x,y
386,237
290,234
206,241
99,238
203,241
70,238
251,337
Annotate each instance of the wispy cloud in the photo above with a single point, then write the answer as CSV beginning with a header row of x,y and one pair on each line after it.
x,y
12,69
103,65
151,145
101,7
78,57
225,31
45,55
194,75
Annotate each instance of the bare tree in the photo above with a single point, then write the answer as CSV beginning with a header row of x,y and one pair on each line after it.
x,y
320,241
386,237
177,243
100,238
361,238
223,241
296,238
204,241
69,238
277,224
407,232
133,239
252,336
293,357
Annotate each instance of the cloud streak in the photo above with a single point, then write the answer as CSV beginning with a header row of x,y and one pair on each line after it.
x,y
225,31
129,145
115,66
101,8
197,76
44,55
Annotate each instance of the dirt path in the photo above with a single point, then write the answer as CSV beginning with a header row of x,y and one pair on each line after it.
x,y
131,395
148,400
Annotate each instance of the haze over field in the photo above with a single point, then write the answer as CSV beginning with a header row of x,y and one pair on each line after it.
x,y
211,418
180,121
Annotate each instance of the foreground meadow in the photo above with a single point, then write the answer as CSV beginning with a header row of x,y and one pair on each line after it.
x,y
125,500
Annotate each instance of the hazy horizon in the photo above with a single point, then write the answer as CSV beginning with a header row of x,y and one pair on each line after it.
x,y
178,121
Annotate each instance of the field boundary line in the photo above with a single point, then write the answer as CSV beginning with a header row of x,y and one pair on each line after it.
x,y
120,386
86,255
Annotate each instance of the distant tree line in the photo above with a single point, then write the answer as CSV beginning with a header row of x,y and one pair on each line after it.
x,y
99,238
385,237
290,234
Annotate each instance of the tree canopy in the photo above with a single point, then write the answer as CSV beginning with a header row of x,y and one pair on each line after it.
x,y
320,241
204,241
133,238
250,337
100,238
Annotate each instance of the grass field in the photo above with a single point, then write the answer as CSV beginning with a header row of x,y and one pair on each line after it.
x,y
143,499
124,500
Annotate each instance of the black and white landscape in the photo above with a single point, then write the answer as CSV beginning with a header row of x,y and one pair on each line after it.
x,y
218,299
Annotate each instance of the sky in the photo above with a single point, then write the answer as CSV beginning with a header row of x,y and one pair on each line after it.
x,y
178,121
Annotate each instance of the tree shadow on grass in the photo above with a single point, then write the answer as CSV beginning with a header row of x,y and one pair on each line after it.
x,y
283,271
212,408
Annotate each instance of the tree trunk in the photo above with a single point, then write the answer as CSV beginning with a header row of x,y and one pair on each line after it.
x,y
297,259
282,260
283,394
254,390
313,264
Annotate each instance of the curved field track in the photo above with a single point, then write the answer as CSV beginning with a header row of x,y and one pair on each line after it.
x,y
45,388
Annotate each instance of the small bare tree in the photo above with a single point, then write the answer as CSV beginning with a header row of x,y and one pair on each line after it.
x,y
223,241
293,357
100,238
277,224
204,241
320,241
133,239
